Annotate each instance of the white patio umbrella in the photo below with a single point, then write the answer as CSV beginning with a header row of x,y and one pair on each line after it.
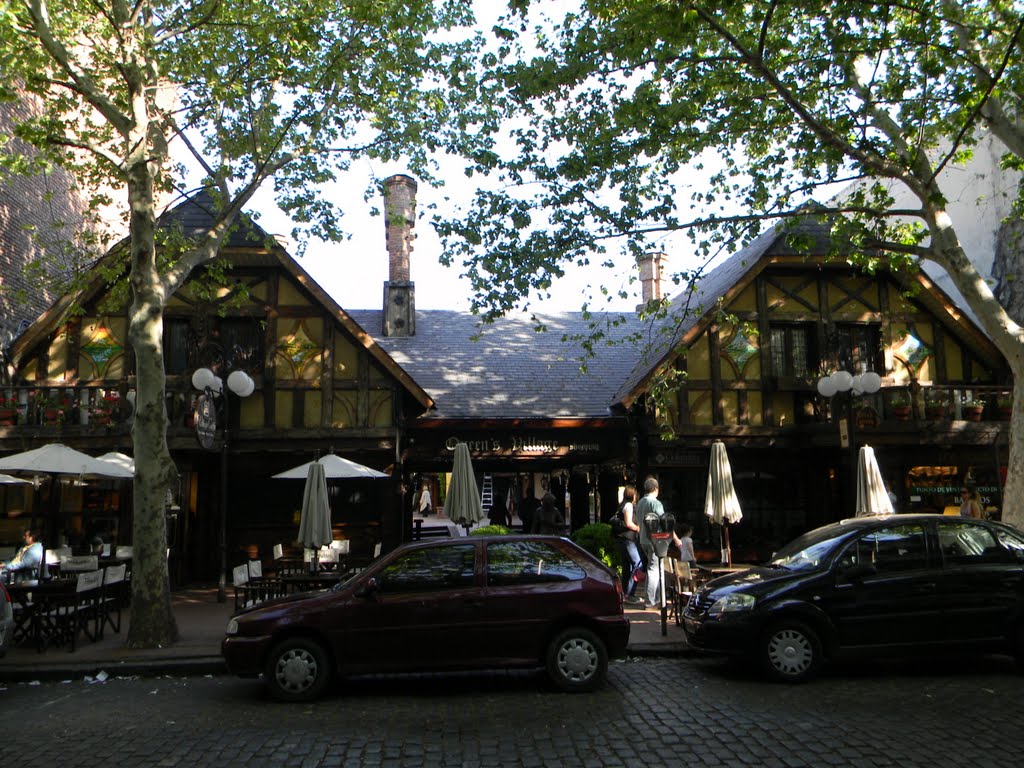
x,y
721,504
57,459
462,503
122,460
335,468
315,523
11,480
872,498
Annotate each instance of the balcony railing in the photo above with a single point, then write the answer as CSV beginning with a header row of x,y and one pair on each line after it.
x,y
58,406
935,403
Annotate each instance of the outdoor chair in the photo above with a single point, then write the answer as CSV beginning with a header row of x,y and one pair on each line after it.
x,y
112,598
76,612
680,583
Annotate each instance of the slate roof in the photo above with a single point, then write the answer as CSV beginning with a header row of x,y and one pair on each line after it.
x,y
197,212
512,371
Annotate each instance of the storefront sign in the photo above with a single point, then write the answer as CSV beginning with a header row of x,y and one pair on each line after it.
x,y
206,421
523,445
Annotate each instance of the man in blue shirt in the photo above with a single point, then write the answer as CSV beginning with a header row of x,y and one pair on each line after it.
x,y
25,564
649,505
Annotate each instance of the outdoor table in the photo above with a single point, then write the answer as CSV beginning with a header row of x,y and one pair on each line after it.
x,y
32,601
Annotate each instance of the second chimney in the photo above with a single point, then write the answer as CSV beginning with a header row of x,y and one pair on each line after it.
x,y
399,290
652,266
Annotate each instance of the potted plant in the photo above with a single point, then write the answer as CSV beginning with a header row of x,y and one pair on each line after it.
x,y
899,404
1004,403
104,408
8,410
52,410
972,408
934,406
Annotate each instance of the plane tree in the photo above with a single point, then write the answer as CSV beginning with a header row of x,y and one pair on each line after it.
x,y
635,119
150,100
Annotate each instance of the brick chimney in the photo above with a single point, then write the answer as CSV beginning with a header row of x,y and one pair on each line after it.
x,y
652,268
399,290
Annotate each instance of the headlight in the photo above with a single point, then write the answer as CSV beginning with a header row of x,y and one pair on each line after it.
x,y
232,627
733,603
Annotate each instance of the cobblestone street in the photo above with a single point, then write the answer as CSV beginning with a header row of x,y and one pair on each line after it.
x,y
654,712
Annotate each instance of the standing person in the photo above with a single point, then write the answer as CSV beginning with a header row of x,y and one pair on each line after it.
x,y
26,563
498,514
629,555
970,504
528,511
548,520
650,513
681,537
426,505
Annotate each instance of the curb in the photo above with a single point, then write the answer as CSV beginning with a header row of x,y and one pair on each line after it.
x,y
200,666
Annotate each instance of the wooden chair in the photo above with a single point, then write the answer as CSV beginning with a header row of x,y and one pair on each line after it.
x,y
680,583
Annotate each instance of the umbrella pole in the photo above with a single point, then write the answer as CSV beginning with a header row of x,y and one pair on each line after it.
x,y
728,548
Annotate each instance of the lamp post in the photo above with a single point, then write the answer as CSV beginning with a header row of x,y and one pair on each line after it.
x,y
845,384
212,387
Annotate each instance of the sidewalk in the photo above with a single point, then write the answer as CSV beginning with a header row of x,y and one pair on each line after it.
x,y
201,623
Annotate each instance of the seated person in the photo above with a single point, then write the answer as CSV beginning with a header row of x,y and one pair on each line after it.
x,y
25,565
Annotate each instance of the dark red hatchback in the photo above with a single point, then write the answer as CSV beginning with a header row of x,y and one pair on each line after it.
x,y
457,604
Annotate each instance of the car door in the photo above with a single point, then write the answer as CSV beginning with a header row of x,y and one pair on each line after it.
x,y
530,585
885,592
983,578
414,616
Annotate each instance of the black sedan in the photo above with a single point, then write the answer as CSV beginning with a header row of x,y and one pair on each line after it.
x,y
468,603
870,586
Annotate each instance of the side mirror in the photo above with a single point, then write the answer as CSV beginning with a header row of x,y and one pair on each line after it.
x,y
368,589
858,571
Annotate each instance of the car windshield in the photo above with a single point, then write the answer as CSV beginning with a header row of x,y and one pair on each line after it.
x,y
808,551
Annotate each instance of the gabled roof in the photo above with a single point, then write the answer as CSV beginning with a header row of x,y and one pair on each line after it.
x,y
690,313
195,216
512,371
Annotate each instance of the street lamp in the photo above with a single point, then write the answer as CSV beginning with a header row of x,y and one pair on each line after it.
x,y
844,384
212,387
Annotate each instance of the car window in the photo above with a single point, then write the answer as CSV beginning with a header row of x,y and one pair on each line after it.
x,y
529,562
965,543
429,570
807,551
893,549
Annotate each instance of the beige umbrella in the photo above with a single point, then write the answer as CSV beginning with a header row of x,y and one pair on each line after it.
x,y
720,503
335,468
122,460
315,523
11,480
57,459
872,498
462,502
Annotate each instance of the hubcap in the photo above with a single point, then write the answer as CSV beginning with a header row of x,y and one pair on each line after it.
x,y
296,670
790,652
577,660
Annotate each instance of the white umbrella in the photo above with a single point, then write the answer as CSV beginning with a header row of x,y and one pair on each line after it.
x,y
721,504
462,502
315,523
121,460
57,459
335,468
11,480
872,498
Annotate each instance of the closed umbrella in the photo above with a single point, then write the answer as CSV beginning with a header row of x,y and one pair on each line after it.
x,y
335,468
721,504
315,523
462,503
872,498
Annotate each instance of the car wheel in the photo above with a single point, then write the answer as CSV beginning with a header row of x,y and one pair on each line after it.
x,y
577,660
790,651
297,670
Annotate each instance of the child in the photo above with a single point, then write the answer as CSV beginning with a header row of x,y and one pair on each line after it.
x,y
681,538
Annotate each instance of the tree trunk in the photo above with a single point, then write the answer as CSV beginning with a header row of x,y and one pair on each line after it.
x,y
152,621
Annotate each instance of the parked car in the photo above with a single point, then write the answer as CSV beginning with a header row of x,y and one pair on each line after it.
x,y
456,604
870,586
6,620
